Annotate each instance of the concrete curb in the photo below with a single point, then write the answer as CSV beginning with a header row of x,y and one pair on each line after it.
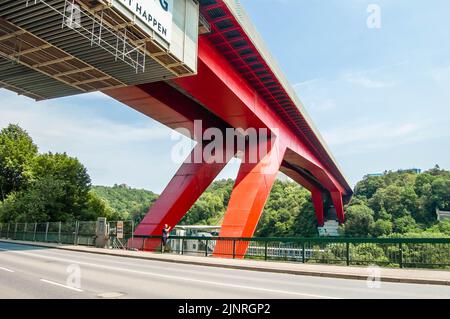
x,y
391,279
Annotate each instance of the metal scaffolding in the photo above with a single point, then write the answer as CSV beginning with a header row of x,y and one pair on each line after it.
x,y
94,26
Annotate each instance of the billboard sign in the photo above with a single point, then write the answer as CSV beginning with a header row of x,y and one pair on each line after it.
x,y
155,14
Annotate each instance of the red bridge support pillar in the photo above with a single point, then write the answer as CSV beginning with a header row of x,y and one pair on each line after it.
x,y
317,199
250,193
338,204
188,184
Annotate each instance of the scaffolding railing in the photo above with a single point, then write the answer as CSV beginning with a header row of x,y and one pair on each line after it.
x,y
96,29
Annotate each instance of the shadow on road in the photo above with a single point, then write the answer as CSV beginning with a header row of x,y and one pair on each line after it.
x,y
8,246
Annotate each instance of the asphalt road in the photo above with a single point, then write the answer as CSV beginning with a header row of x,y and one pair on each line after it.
x,y
32,272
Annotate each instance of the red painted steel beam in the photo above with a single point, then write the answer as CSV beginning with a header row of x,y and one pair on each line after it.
x,y
220,97
338,204
317,199
248,198
234,101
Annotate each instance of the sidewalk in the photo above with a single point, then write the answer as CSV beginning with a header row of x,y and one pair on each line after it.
x,y
413,276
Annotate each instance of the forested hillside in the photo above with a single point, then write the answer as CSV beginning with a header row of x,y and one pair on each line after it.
x,y
126,202
400,203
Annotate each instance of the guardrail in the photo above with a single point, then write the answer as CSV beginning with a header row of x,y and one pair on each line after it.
x,y
389,252
73,233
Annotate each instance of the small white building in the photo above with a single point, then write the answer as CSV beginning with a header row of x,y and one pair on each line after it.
x,y
442,215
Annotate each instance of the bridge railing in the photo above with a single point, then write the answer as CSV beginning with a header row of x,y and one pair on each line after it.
x,y
389,252
73,233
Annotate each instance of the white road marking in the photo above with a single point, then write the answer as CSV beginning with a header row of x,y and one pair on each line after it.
x,y
6,269
61,285
177,278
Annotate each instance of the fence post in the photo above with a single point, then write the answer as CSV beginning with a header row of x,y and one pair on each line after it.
x,y
24,231
265,250
303,252
77,225
347,253
182,246
59,233
401,255
234,248
206,248
15,232
46,231
7,235
35,229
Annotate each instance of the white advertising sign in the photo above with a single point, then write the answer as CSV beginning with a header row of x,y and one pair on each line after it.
x,y
156,14
119,230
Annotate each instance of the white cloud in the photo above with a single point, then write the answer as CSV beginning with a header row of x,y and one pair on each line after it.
x,y
362,137
135,151
322,105
366,82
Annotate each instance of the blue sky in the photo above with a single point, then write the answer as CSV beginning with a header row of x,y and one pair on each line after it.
x,y
380,97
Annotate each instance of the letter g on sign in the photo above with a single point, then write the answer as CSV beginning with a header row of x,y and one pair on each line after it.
x,y
164,5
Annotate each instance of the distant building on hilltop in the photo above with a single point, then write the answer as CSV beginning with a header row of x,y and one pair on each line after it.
x,y
442,215
410,170
375,175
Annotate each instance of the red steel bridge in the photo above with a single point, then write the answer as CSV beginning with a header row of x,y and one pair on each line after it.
x,y
232,82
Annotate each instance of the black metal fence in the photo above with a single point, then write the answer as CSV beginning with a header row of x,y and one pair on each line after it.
x,y
389,252
73,233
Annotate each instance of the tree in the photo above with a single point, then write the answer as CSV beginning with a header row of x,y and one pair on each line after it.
x,y
369,186
381,228
73,179
433,189
396,200
359,221
284,212
40,202
305,225
98,207
17,152
126,202
206,211
405,224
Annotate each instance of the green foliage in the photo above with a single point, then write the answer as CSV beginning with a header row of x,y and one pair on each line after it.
x,y
359,221
402,202
42,187
17,151
287,213
405,224
381,228
124,203
211,206
369,186
366,254
73,180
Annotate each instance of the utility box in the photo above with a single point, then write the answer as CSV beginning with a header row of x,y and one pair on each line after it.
x,y
101,233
